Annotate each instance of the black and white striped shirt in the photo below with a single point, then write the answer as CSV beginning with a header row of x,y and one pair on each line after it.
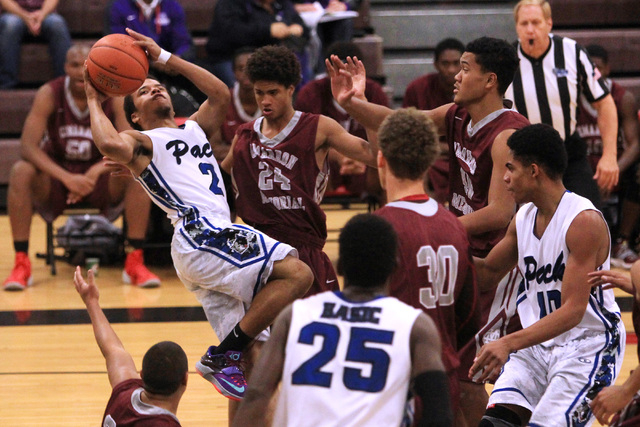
x,y
547,89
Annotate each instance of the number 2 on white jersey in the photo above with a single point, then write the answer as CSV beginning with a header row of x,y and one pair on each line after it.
x,y
442,272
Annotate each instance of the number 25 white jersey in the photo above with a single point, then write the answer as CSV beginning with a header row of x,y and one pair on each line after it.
x,y
346,363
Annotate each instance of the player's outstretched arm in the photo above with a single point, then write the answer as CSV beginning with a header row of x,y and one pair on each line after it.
x,y
628,116
332,135
120,147
607,171
502,258
265,376
120,365
212,112
345,87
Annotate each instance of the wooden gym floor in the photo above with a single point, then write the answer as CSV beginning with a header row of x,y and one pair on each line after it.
x,y
51,370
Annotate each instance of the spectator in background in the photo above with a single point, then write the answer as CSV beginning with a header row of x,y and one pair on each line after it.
x,y
347,175
66,167
241,23
431,91
329,31
628,149
243,108
38,19
165,22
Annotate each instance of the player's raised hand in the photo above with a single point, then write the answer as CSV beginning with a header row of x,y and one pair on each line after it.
x,y
341,80
355,67
147,43
87,289
89,89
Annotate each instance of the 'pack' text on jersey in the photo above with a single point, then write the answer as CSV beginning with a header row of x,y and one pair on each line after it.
x,y
544,273
180,148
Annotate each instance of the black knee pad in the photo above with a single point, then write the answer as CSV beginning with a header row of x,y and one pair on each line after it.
x,y
500,416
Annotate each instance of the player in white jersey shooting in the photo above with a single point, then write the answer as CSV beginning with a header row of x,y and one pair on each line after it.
x,y
572,341
242,277
349,358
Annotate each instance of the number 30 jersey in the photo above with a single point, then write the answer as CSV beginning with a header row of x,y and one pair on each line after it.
x,y
435,271
346,363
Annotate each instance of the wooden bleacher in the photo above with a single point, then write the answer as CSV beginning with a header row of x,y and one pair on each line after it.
x,y
86,22
406,31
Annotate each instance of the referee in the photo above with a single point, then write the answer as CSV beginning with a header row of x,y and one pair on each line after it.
x,y
554,71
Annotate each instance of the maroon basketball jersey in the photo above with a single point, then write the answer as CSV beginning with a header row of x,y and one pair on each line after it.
x,y
279,183
126,409
435,271
426,93
315,97
470,166
587,125
68,140
236,116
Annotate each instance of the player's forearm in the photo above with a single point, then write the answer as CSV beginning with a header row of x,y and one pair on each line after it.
x,y
48,6
366,113
11,6
629,157
632,385
43,162
489,218
106,337
560,321
608,126
105,135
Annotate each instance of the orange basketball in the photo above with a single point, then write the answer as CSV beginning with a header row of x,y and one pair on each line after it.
x,y
116,65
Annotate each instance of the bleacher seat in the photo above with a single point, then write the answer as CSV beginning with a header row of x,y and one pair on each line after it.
x,y
632,84
594,13
623,46
14,107
9,154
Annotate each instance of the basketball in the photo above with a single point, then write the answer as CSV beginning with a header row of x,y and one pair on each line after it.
x,y
116,65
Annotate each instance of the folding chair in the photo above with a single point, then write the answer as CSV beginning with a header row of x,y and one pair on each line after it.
x,y
77,210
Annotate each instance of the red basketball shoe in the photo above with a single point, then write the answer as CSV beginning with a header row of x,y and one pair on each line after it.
x,y
20,276
136,273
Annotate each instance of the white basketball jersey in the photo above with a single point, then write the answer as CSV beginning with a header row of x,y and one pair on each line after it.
x,y
183,178
542,263
346,363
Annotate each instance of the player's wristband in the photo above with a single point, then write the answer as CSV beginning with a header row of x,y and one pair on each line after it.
x,y
164,56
